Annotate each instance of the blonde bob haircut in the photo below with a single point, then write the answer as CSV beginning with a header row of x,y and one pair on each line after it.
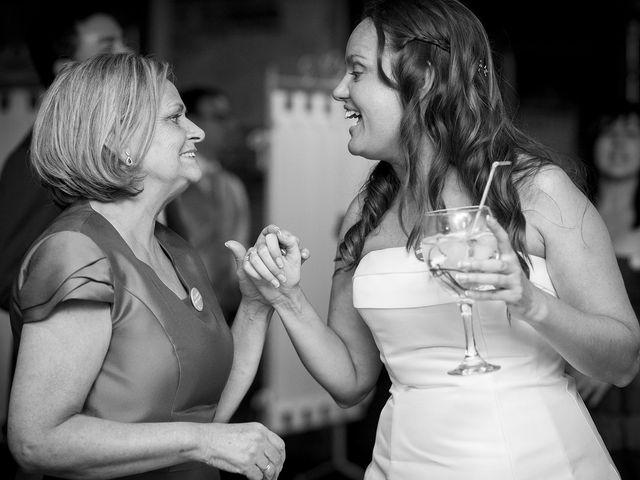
x,y
95,123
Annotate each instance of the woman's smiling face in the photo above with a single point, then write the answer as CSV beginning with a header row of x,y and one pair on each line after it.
x,y
617,150
375,106
170,161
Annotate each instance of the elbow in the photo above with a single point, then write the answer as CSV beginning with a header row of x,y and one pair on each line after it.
x,y
631,372
350,400
342,403
27,451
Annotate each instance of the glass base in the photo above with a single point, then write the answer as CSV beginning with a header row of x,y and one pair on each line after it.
x,y
473,366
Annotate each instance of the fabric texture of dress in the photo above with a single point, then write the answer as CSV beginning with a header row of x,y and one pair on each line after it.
x,y
167,361
525,421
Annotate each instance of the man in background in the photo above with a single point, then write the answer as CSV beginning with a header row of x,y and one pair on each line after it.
x,y
25,207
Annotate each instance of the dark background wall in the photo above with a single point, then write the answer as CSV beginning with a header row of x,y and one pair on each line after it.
x,y
569,50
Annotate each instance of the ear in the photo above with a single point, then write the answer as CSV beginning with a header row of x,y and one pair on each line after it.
x,y
428,80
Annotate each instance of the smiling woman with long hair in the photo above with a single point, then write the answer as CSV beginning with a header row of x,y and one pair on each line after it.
x,y
422,92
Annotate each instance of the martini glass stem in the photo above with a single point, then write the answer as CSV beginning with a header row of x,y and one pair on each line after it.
x,y
470,349
472,363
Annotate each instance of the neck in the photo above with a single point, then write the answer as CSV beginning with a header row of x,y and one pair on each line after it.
x,y
135,222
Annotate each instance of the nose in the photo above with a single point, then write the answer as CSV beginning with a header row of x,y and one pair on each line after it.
x,y
194,132
341,91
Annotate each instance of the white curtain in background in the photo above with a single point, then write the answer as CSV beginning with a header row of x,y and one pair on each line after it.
x,y
311,180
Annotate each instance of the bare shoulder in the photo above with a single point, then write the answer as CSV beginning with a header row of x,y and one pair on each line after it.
x,y
551,197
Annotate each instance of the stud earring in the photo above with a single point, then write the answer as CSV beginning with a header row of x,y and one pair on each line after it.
x,y
128,159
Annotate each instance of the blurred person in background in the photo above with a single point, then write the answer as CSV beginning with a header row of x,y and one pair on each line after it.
x,y
60,35
216,208
126,366
612,153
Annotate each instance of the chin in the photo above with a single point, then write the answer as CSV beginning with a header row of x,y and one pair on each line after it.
x,y
354,149
193,174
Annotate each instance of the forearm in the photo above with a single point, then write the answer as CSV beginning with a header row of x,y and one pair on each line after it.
x,y
249,332
87,447
600,346
323,353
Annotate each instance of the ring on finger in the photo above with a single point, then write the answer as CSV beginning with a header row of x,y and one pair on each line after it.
x,y
266,470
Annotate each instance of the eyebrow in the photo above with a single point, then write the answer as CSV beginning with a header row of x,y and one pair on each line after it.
x,y
179,106
355,58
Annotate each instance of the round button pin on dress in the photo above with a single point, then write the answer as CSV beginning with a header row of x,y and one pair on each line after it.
x,y
196,299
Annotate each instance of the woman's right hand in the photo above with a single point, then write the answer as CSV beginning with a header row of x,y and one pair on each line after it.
x,y
274,263
249,449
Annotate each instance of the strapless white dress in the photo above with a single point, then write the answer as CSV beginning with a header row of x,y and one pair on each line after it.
x,y
524,421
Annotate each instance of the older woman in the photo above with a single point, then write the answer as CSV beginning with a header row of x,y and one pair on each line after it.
x,y
126,366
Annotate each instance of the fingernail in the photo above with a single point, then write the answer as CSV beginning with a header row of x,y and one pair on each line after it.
x,y
279,262
275,283
226,244
282,278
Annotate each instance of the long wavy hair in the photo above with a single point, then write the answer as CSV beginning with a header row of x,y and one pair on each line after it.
x,y
462,115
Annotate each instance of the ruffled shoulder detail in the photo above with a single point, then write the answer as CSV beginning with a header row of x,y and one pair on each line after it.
x,y
62,266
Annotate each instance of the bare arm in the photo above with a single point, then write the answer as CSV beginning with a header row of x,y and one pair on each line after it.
x,y
58,361
591,323
341,353
249,332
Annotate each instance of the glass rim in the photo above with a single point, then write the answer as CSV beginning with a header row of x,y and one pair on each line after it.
x,y
458,209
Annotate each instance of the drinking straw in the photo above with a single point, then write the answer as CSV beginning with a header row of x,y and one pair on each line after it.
x,y
494,165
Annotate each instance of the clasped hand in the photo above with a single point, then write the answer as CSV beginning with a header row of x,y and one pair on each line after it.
x,y
274,262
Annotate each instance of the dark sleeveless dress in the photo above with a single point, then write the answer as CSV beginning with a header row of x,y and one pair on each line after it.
x,y
167,361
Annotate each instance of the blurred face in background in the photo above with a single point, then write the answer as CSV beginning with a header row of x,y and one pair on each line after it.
x,y
98,33
212,115
617,149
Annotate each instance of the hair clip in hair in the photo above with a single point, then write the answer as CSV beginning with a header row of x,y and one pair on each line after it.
x,y
442,45
482,68
128,160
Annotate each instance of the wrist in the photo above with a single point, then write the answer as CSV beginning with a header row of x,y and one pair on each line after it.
x,y
255,309
291,302
209,439
193,448
538,311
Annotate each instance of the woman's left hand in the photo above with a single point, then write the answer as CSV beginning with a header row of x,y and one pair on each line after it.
x,y
247,287
266,263
510,283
